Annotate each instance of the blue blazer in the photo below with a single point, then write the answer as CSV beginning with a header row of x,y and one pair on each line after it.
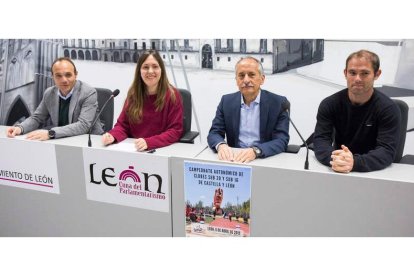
x,y
274,123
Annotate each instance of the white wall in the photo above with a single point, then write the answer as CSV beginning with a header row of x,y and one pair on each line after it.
x,y
404,77
304,87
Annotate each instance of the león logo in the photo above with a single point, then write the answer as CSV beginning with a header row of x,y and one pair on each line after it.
x,y
128,181
129,174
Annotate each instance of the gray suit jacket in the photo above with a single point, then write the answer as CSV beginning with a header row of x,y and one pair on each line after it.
x,y
82,111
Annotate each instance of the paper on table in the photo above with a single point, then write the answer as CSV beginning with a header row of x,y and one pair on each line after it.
x,y
20,137
24,137
123,146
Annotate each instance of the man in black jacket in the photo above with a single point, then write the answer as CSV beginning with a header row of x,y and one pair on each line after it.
x,y
358,128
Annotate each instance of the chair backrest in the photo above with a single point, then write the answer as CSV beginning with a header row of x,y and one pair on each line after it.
x,y
188,135
403,129
286,105
186,97
107,116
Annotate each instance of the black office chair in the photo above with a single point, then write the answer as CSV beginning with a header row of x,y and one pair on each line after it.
x,y
188,135
407,159
107,116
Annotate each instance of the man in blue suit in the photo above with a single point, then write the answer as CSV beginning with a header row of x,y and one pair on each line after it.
x,y
252,119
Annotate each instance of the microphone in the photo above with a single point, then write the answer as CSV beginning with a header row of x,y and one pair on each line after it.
x,y
286,107
113,95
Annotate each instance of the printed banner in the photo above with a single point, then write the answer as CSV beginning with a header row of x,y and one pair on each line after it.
x,y
217,200
127,178
28,165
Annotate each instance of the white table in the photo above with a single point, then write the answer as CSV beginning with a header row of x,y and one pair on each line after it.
x,y
32,213
287,200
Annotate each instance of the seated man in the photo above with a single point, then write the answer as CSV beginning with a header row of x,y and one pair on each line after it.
x,y
252,119
70,104
358,128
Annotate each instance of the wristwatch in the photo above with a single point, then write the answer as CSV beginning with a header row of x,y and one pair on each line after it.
x,y
52,134
257,151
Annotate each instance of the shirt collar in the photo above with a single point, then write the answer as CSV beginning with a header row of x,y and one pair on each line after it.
x,y
257,100
67,96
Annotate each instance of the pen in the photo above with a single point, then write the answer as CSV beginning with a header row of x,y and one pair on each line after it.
x,y
151,151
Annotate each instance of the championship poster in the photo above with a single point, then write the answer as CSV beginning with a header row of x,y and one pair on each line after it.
x,y
217,200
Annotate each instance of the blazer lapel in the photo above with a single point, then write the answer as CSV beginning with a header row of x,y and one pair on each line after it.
x,y
235,108
264,113
54,106
74,100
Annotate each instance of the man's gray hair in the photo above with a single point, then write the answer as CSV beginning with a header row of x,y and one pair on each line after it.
x,y
255,59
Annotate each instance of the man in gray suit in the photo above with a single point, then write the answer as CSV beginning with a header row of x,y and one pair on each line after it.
x,y
71,106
